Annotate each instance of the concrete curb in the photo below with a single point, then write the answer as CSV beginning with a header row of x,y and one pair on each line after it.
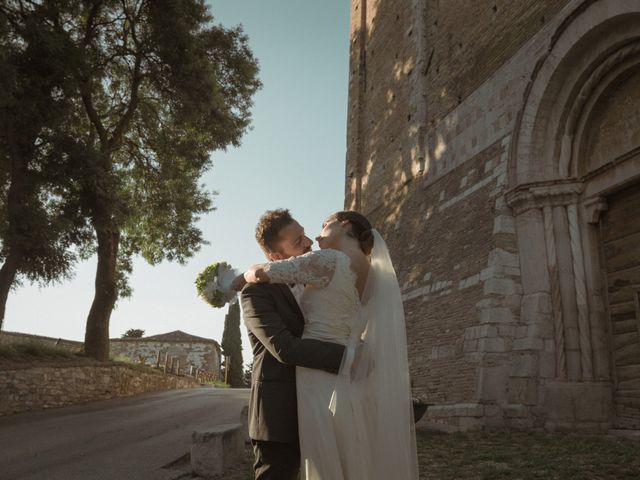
x,y
215,451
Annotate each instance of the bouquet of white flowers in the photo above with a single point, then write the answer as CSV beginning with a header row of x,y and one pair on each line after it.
x,y
213,284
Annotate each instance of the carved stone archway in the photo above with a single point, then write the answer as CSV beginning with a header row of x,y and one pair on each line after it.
x,y
566,157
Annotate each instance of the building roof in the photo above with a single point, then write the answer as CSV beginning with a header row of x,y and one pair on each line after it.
x,y
178,336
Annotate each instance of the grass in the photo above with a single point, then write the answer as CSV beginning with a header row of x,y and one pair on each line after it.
x,y
215,383
513,455
34,350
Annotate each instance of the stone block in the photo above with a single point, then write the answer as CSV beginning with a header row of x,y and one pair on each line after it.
x,y
521,423
535,304
501,286
456,410
496,315
547,365
541,329
503,258
493,384
487,273
468,410
516,411
549,345
504,224
512,271
523,366
558,403
512,301
480,331
470,423
491,410
594,403
531,240
507,331
528,343
214,451
469,281
491,345
523,391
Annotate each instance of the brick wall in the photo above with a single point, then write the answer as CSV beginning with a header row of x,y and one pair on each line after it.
x,y
432,107
472,40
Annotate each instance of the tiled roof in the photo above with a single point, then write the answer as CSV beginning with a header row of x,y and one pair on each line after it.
x,y
178,336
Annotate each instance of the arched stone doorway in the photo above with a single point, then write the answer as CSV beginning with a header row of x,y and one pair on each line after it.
x,y
574,173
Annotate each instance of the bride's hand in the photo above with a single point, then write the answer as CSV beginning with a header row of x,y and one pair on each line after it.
x,y
238,283
256,274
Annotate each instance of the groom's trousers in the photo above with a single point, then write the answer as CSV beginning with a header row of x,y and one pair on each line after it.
x,y
276,460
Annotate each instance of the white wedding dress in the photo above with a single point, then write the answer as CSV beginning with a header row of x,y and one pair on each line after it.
x,y
335,443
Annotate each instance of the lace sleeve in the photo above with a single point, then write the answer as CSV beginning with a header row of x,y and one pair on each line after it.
x,y
314,268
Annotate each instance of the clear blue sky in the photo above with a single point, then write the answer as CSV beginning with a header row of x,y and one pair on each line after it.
x,y
293,157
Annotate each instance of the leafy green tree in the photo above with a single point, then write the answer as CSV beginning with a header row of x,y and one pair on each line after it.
x,y
40,220
232,347
158,88
133,333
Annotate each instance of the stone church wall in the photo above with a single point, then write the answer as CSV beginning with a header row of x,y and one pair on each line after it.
x,y
438,99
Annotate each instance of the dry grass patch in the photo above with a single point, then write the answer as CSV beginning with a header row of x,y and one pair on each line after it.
x,y
513,455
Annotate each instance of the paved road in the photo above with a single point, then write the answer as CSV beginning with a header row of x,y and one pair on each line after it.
x,y
125,439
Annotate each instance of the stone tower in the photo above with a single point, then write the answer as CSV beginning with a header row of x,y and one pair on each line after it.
x,y
496,145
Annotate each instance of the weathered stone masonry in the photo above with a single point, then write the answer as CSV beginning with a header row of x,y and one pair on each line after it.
x,y
190,350
497,147
50,386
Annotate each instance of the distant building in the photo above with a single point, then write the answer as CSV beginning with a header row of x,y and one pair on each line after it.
x,y
200,352
496,146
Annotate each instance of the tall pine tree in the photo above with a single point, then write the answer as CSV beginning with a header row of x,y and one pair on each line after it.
x,y
232,346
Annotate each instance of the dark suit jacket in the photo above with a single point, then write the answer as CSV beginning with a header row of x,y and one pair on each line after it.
x,y
275,323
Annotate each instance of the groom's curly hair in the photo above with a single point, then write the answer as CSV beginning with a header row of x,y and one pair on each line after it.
x,y
269,226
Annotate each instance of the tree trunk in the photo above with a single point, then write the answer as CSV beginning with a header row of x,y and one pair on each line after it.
x,y
7,276
96,340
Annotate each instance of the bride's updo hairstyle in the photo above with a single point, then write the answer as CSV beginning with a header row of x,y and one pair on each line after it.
x,y
360,228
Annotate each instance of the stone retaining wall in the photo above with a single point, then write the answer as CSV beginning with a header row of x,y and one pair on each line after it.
x,y
41,387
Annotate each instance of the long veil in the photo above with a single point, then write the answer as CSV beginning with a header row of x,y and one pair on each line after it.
x,y
373,384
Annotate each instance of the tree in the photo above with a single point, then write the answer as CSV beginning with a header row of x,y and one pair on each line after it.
x,y
232,346
40,220
133,333
159,87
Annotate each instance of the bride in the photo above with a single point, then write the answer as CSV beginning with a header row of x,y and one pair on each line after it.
x,y
358,425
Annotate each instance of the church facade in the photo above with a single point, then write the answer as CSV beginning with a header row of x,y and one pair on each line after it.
x,y
496,146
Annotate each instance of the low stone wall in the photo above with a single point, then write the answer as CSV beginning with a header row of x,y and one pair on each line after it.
x,y
50,386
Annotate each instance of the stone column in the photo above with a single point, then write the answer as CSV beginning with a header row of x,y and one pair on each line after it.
x,y
592,210
556,299
547,217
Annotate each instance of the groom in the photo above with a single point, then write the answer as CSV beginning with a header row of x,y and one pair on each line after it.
x,y
274,321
